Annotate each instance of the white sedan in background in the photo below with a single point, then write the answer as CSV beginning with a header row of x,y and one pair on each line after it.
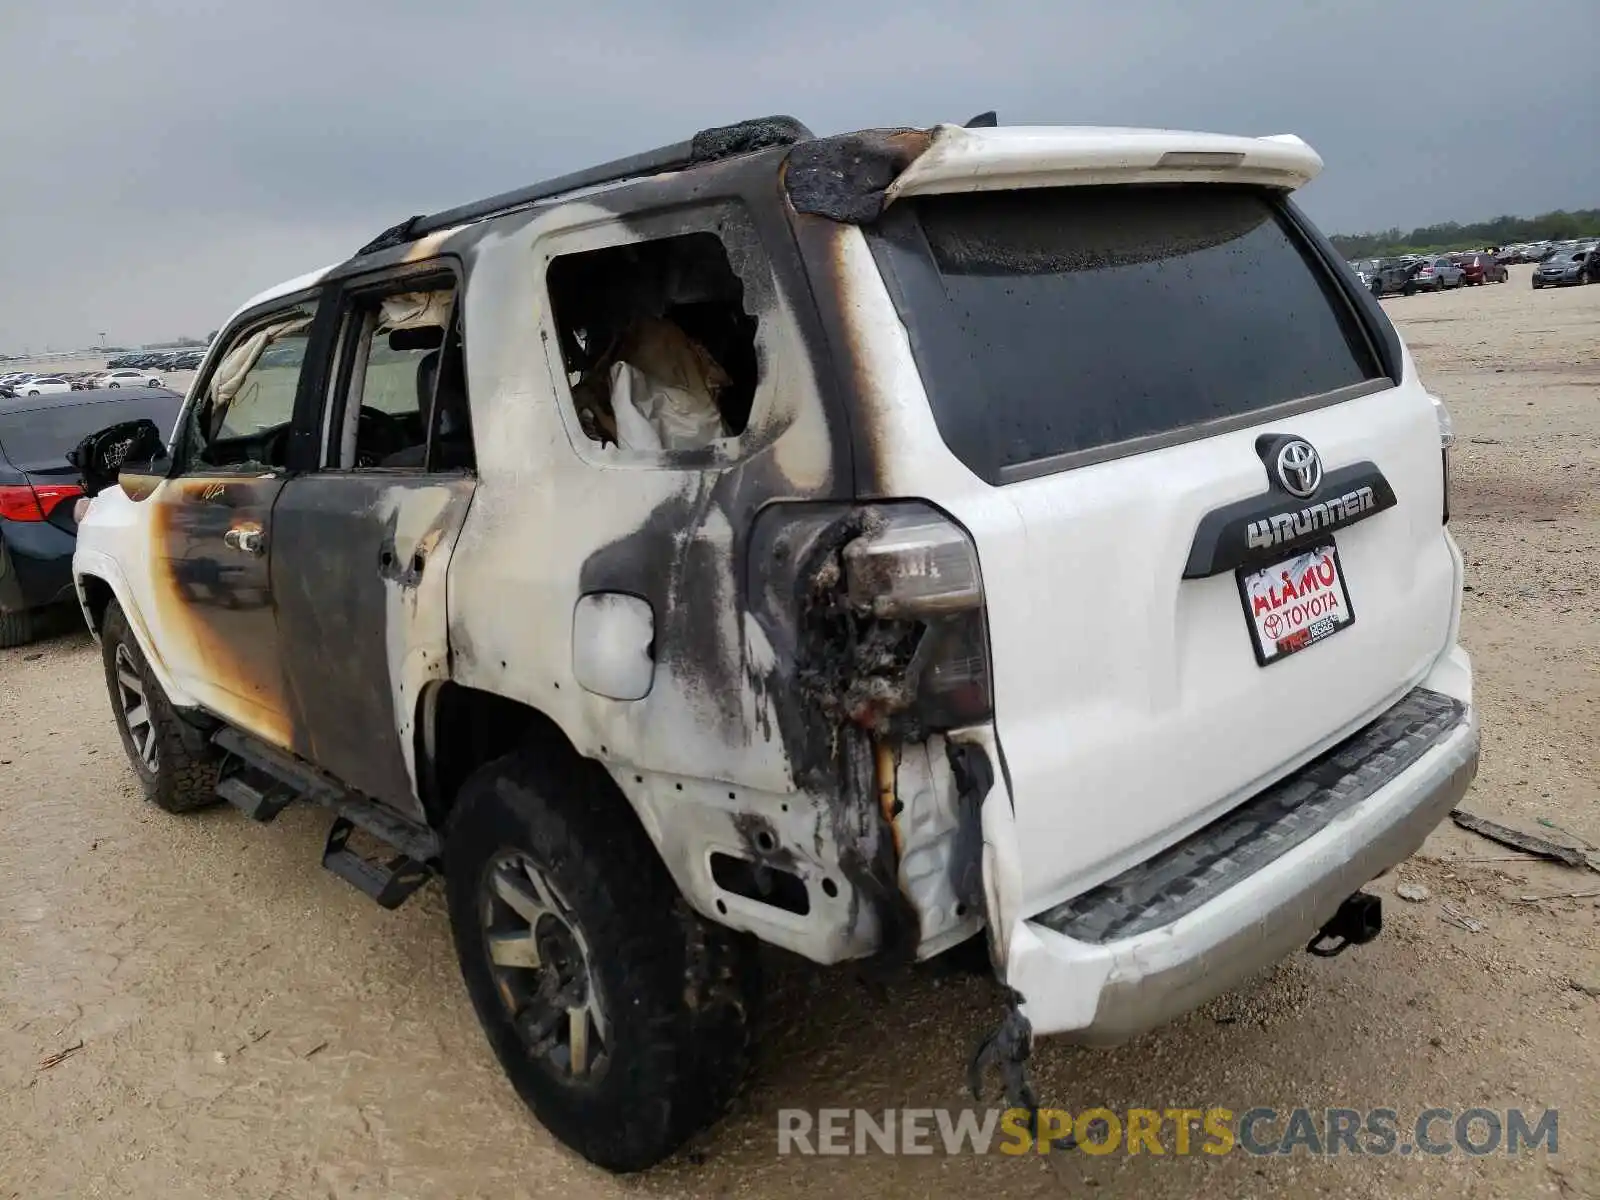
x,y
42,385
126,377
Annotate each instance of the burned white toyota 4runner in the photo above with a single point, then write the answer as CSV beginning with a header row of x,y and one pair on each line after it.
x,y
863,543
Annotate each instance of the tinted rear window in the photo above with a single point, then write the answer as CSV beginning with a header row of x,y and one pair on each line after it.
x,y
37,439
1073,321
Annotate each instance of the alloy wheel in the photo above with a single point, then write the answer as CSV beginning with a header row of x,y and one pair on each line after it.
x,y
540,964
135,710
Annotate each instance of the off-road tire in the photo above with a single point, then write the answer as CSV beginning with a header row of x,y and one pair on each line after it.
x,y
679,992
16,629
185,776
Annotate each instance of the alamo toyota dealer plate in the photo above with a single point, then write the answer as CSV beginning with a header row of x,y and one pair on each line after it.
x,y
1295,603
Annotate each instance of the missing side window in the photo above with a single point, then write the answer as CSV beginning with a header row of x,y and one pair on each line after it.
x,y
658,348
403,382
243,416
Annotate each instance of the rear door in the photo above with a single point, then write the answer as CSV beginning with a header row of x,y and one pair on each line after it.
x,y
1170,398
362,543
214,614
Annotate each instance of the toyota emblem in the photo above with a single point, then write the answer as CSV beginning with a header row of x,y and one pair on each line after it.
x,y
1299,468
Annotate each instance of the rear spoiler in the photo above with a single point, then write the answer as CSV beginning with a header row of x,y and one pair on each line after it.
x,y
969,160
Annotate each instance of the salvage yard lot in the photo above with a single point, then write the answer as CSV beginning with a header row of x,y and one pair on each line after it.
x,y
247,1025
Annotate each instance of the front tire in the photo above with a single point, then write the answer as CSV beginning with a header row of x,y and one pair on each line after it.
x,y
113,385
176,765
622,1018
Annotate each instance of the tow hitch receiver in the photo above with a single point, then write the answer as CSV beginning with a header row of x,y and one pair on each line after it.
x,y
1358,921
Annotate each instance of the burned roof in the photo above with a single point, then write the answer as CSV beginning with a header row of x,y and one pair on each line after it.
x,y
709,145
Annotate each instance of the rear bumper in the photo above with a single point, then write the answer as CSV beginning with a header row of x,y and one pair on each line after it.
x,y
35,564
1231,901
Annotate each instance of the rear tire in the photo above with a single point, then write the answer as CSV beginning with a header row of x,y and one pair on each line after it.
x,y
16,629
543,852
176,765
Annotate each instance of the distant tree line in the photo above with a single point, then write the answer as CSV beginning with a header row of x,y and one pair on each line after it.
x,y
1552,226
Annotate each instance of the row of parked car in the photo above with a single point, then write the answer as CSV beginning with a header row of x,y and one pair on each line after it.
x,y
1532,252
1569,263
1408,274
159,360
1558,263
30,383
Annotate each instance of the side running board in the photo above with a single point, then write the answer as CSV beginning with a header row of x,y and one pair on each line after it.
x,y
261,781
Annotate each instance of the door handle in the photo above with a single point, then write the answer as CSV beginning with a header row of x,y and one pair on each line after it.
x,y
245,540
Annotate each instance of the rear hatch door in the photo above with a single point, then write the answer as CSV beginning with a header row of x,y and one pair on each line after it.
x,y
1124,365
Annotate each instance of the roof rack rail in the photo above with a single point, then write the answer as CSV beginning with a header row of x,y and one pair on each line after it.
x,y
709,145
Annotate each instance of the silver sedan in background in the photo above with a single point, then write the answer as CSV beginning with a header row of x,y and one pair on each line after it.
x,y
1438,274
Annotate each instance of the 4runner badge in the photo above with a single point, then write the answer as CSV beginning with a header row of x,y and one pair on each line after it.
x,y
1257,530
1299,468
1293,526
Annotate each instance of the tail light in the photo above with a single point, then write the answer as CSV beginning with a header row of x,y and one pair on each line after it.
x,y
918,569
1447,438
22,502
913,566
874,615
18,503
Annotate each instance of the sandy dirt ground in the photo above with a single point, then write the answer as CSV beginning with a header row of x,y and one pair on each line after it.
x,y
248,1025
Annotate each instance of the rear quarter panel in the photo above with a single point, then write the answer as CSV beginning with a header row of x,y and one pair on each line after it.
x,y
706,756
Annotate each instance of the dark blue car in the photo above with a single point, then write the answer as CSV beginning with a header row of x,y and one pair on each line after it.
x,y
38,489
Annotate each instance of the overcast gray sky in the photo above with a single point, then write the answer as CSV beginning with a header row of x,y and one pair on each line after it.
x,y
164,159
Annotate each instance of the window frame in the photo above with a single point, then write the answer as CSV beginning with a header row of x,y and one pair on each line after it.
x,y
712,215
905,259
333,390
183,448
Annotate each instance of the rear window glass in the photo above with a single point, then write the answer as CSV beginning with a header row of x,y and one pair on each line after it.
x,y
1072,321
37,439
